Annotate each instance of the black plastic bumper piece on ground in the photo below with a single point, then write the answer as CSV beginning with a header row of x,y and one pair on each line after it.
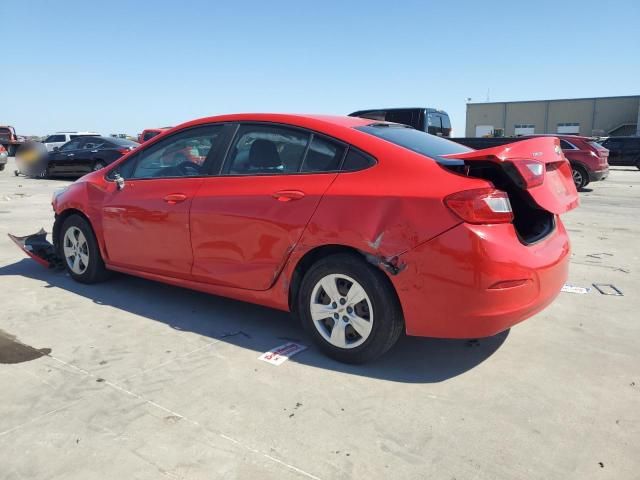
x,y
39,248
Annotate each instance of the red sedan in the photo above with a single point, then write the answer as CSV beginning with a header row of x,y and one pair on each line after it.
x,y
363,229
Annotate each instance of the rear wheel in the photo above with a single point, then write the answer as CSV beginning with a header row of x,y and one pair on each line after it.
x,y
349,308
79,250
580,176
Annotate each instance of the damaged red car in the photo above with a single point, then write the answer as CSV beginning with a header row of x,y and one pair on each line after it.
x,y
363,229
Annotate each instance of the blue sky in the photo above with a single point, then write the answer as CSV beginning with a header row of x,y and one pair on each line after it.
x,y
121,66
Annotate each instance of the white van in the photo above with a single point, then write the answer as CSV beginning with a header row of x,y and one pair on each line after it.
x,y
60,138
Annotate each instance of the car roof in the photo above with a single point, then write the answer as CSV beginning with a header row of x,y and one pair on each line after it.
x,y
77,133
302,120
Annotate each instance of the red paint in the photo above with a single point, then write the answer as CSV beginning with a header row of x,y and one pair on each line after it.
x,y
242,236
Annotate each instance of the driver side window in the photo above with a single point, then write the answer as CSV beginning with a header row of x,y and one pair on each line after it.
x,y
180,155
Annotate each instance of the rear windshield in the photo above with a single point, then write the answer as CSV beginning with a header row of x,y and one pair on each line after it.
x,y
420,142
123,142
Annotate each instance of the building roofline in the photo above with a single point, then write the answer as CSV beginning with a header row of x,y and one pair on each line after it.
x,y
554,100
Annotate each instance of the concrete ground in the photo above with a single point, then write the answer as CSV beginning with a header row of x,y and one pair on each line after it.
x,y
133,379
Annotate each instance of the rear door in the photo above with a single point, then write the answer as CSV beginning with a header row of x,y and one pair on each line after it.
x,y
536,165
146,223
246,221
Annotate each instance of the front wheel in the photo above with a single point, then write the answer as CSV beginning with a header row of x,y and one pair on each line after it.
x,y
580,176
79,250
349,308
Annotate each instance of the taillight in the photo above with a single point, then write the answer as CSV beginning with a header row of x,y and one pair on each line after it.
x,y
531,171
124,150
481,205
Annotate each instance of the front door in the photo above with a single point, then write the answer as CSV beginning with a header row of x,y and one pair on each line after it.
x,y
246,221
63,160
146,223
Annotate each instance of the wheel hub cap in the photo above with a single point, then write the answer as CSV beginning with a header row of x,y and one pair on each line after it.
x,y
341,311
76,250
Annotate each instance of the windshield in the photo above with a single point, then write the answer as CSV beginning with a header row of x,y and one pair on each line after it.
x,y
423,143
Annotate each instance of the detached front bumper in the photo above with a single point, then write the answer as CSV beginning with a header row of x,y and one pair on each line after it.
x,y
477,280
37,247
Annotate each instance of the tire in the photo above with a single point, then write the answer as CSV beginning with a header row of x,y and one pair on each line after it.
x,y
43,173
90,266
638,164
367,328
98,165
580,176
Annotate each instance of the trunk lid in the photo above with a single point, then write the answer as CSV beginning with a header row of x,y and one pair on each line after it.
x,y
537,166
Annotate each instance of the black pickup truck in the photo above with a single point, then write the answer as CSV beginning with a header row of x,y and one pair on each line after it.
x,y
623,151
430,120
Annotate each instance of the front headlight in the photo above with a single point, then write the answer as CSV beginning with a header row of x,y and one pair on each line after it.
x,y
57,192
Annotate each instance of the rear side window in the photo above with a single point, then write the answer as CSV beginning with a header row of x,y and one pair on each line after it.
x,y
92,143
356,160
322,156
420,142
566,145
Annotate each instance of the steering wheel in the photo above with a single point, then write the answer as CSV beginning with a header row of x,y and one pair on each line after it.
x,y
188,168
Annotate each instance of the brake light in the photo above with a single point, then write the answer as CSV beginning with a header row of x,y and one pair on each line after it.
x,y
531,171
481,206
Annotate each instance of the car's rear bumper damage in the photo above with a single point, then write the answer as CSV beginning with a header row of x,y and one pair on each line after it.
x,y
39,248
477,280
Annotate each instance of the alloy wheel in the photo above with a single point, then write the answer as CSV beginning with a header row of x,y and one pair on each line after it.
x,y
76,250
341,311
577,177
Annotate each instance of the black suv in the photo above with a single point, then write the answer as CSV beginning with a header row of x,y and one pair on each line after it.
x,y
623,151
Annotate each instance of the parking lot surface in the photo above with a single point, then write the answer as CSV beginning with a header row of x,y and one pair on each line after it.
x,y
135,379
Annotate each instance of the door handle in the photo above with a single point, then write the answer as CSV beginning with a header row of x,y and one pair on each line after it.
x,y
71,155
174,198
288,195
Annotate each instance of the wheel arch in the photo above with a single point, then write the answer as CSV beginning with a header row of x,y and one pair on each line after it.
x,y
61,217
312,256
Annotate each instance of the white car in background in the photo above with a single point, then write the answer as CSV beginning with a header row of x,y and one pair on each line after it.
x,y
60,138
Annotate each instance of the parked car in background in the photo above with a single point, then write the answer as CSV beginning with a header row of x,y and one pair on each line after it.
x,y
60,138
623,151
3,157
149,133
430,120
10,140
363,228
85,154
588,159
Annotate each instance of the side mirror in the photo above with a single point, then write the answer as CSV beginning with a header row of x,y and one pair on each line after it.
x,y
119,181
55,149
